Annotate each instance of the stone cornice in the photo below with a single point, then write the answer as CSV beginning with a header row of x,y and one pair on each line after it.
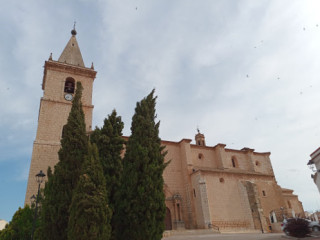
x,y
50,143
246,151
221,145
64,67
228,171
63,102
289,195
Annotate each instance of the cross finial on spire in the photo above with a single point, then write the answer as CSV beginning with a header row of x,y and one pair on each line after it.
x,y
73,31
198,129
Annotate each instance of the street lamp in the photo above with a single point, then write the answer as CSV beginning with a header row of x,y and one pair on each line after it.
x,y
39,178
33,199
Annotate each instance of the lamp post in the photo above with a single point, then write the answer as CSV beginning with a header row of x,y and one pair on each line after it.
x,y
39,178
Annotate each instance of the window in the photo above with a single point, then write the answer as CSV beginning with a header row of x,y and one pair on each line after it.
x,y
234,162
221,180
271,219
289,204
194,193
200,156
178,210
257,163
263,193
69,85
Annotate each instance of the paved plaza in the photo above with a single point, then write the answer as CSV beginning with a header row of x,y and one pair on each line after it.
x,y
235,236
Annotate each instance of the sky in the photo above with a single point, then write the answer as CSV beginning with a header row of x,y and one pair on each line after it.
x,y
245,72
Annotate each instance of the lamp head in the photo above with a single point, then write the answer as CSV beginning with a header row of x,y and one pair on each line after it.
x,y
40,177
33,198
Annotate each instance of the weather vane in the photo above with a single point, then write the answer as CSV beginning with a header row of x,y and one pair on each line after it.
x,y
74,32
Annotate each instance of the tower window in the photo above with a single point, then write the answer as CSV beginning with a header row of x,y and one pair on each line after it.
x,y
69,85
200,156
263,193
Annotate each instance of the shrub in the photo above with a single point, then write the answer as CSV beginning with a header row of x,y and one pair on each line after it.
x,y
298,227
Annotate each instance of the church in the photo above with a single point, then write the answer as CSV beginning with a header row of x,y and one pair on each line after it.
x,y
206,187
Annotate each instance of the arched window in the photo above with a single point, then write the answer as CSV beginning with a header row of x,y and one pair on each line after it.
x,y
69,85
200,156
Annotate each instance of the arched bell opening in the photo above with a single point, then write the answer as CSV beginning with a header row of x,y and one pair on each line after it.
x,y
69,85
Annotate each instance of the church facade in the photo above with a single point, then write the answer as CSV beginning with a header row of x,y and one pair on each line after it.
x,y
205,186
213,186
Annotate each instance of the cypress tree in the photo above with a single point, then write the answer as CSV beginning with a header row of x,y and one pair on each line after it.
x,y
110,144
59,188
142,202
89,211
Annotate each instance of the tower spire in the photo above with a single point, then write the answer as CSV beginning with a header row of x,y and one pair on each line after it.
x,y
71,53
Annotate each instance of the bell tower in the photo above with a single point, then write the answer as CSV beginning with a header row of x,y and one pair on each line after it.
x,y
58,85
200,139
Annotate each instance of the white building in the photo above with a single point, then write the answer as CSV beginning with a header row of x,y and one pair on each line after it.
x,y
3,223
314,164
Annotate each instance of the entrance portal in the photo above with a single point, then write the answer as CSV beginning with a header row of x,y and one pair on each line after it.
x,y
167,221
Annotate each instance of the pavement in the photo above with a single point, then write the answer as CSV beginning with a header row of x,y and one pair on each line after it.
x,y
313,235
237,236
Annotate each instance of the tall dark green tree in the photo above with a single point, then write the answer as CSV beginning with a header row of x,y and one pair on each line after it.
x,y
110,143
89,211
59,188
142,203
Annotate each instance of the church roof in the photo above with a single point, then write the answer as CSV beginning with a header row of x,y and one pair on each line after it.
x,y
71,53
